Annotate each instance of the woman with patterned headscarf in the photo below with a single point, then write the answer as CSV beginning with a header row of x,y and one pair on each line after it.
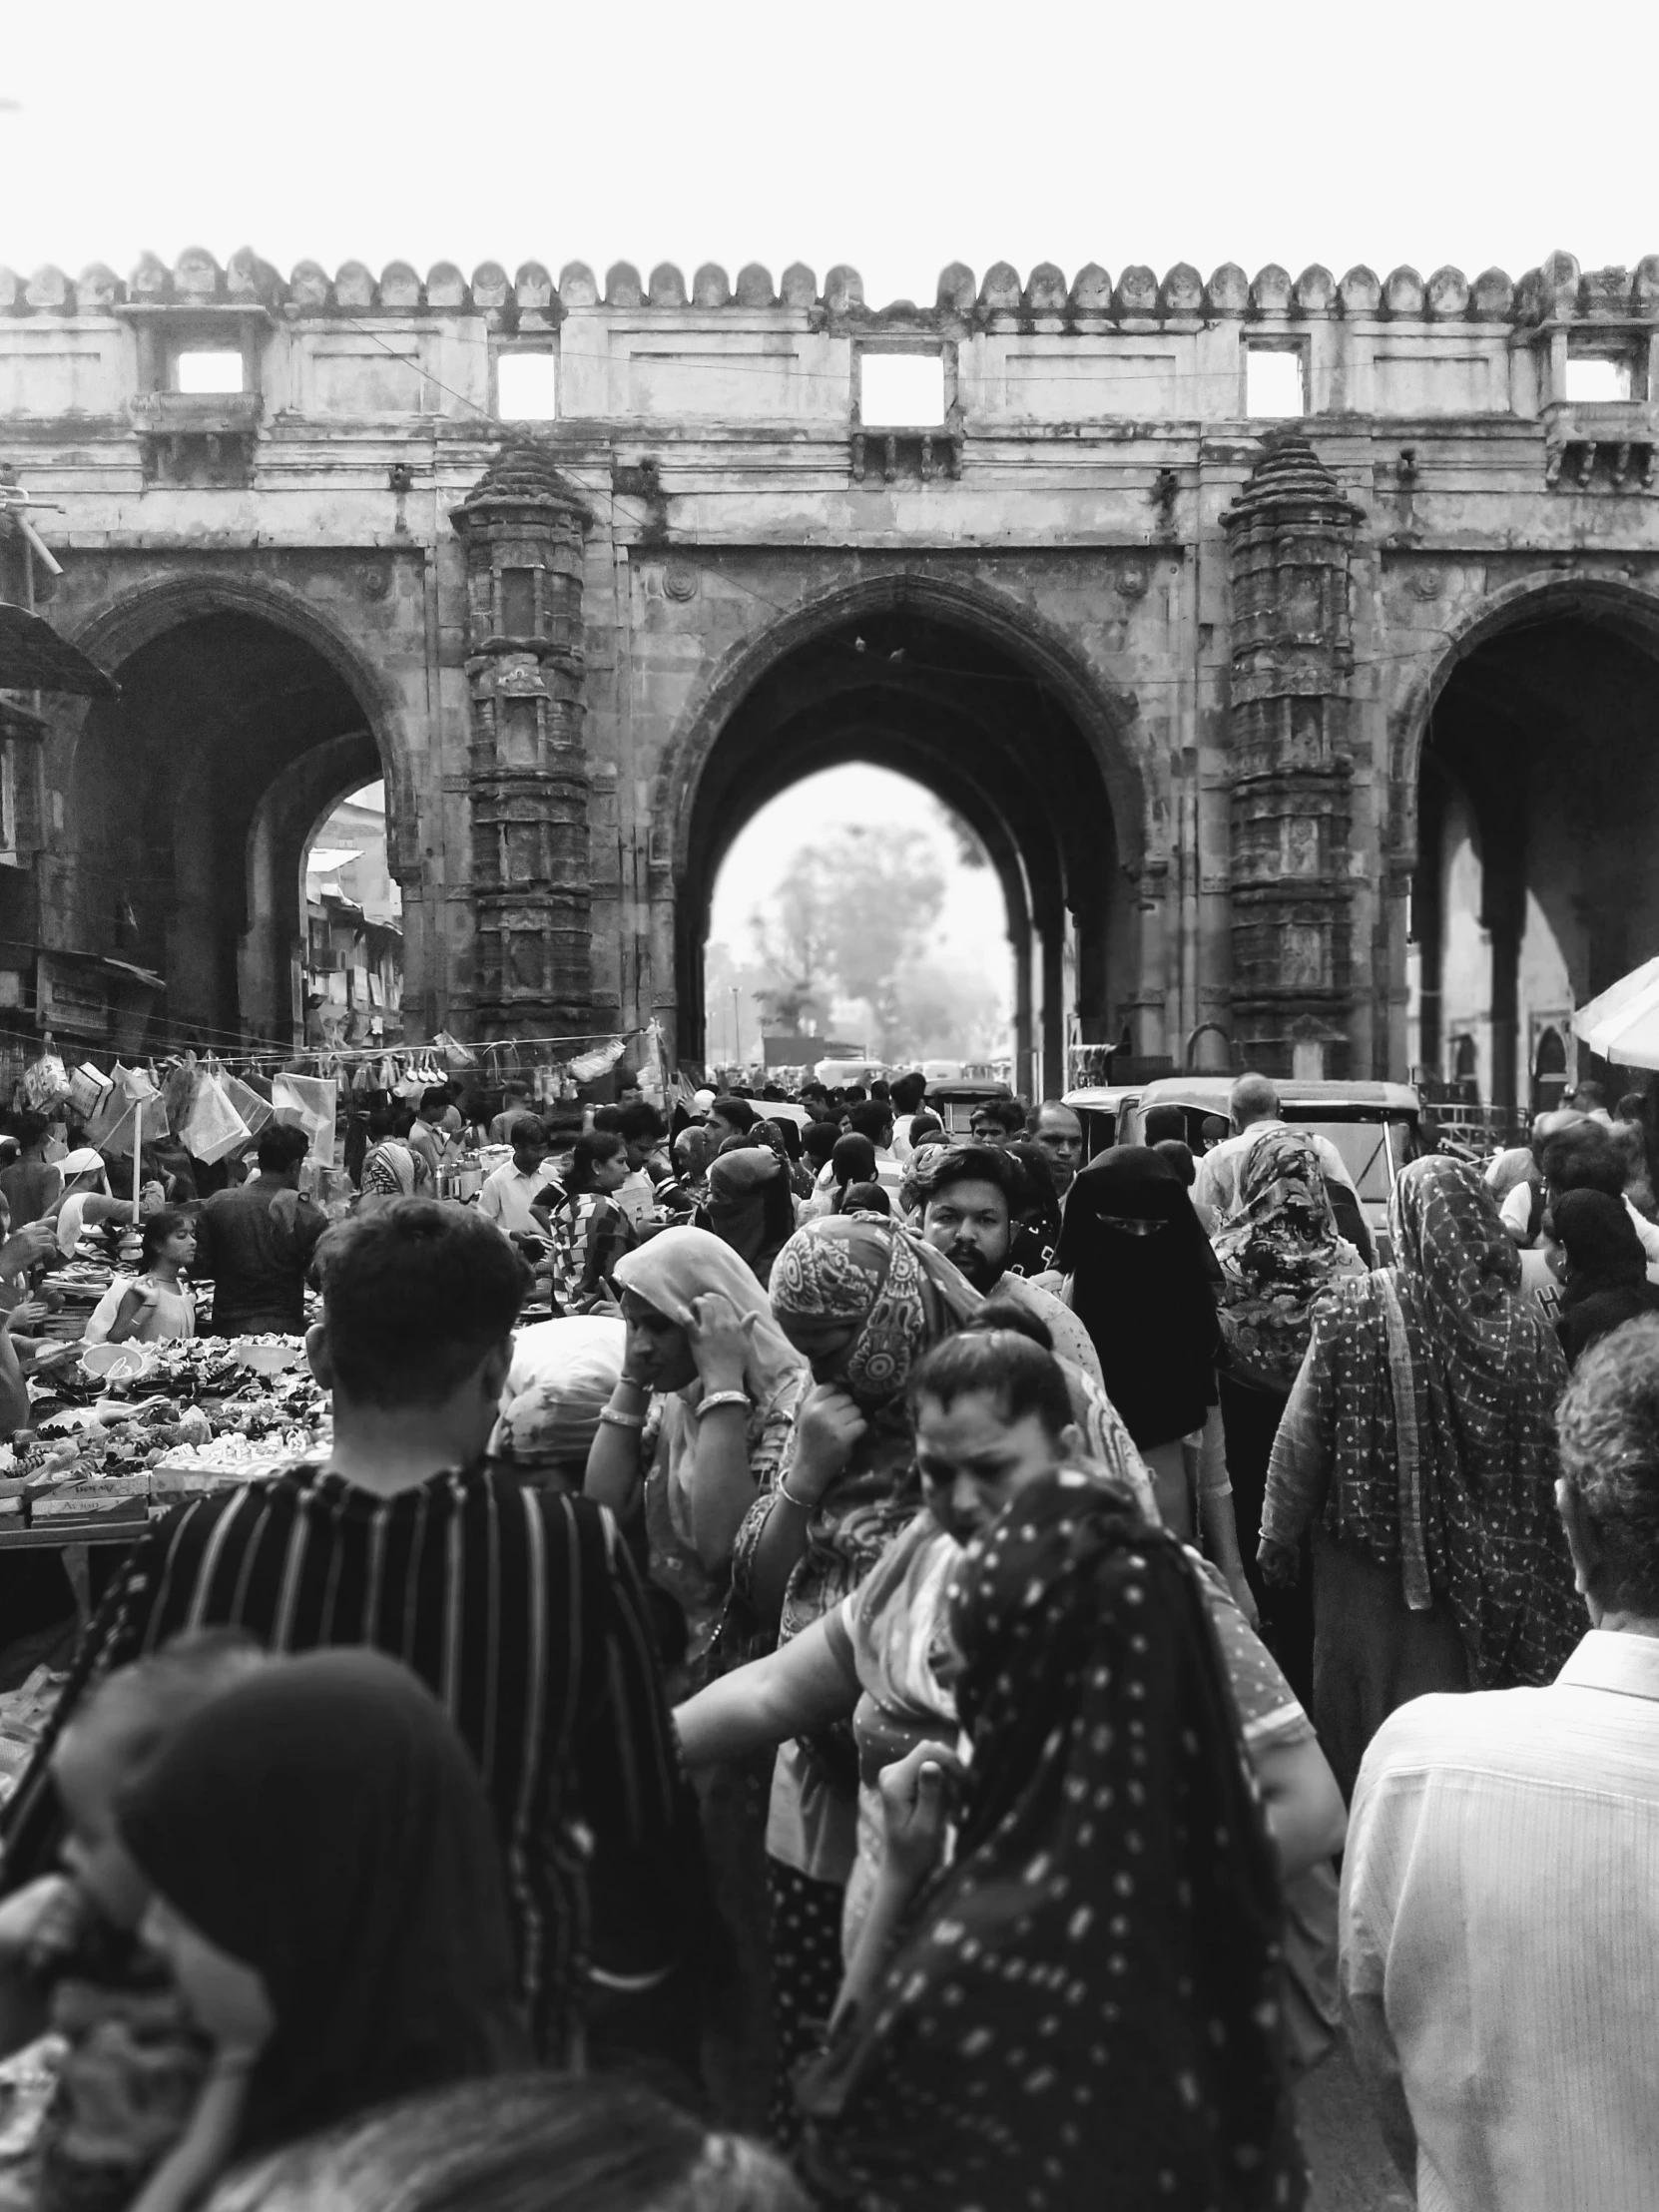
x,y
1278,1254
1419,1447
863,1299
1083,2008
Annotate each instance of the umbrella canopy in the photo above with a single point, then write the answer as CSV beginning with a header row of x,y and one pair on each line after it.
x,y
1622,1024
34,658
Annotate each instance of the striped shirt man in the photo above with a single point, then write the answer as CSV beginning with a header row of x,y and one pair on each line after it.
x,y
522,1612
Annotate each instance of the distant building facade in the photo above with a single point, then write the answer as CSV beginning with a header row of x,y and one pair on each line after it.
x,y
1317,740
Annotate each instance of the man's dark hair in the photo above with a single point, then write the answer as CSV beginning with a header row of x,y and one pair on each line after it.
x,y
638,1121
1162,1122
525,1129
30,1127
813,1091
413,1296
1007,1366
1631,1107
515,1087
609,1118
926,1127
1179,1154
864,1198
878,1089
907,1092
436,1094
1607,1427
854,1094
282,1147
736,1111
564,1120
977,1163
1583,1158
819,1139
872,1118
853,1159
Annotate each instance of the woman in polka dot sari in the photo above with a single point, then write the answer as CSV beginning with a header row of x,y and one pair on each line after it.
x,y
1084,2010
1418,1444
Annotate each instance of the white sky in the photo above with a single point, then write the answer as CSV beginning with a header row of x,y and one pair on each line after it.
x,y
896,136
973,924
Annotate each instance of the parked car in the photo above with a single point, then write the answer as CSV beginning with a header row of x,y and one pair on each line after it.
x,y
1375,1126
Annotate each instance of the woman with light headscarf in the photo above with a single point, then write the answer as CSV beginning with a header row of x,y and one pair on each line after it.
x,y
1419,1447
701,1412
863,1299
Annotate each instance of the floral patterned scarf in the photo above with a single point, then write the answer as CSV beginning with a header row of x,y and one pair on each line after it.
x,y
1277,1255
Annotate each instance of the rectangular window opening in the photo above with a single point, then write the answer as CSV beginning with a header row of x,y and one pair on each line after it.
x,y
527,386
205,373
1596,378
901,391
1274,382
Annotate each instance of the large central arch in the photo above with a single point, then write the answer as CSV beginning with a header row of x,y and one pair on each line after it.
x,y
970,697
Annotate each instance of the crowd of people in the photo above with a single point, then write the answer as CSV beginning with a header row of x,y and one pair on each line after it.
x,y
942,1675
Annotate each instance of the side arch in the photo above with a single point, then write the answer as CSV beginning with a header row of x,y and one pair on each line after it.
x,y
138,616
1626,609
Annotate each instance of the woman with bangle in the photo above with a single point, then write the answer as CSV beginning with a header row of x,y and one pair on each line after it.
x,y
863,1299
700,1416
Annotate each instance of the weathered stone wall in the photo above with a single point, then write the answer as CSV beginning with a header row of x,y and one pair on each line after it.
x,y
1065,510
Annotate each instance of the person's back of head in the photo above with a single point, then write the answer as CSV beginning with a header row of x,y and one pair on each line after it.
x,y
862,1198
788,1133
434,1101
853,1159
878,1089
1002,1357
527,2142
1608,1434
1179,1155
1161,1123
1583,1158
872,1118
415,1295
281,1148
1253,1099
925,1128
1631,1107
817,1141
1590,1098
639,1122
610,1119
1212,1130
907,1092
737,1112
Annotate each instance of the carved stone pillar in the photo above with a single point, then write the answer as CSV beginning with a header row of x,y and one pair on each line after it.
x,y
1289,538
522,526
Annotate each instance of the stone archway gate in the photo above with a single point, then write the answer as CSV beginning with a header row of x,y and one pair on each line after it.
x,y
540,615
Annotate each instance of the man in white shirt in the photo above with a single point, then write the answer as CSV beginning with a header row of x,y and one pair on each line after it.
x,y
907,1094
1500,1889
1253,1104
519,1184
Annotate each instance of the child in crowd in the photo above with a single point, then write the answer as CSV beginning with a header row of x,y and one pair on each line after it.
x,y
69,1960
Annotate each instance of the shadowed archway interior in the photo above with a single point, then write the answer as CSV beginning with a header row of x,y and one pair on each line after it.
x,y
934,700
189,808
1538,783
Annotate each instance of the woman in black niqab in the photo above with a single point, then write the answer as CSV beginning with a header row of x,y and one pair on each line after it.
x,y
1141,1272
323,1826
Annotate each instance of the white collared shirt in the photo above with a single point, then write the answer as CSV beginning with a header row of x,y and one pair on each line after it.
x,y
506,1199
1501,1926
